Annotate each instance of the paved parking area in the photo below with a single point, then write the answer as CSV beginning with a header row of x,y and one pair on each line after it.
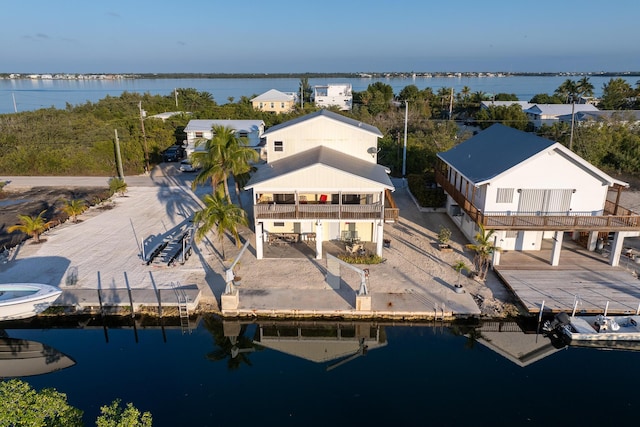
x,y
104,252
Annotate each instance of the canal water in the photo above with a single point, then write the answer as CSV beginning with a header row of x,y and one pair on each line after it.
x,y
328,373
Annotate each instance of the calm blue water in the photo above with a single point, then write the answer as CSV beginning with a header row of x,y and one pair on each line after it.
x,y
420,376
35,94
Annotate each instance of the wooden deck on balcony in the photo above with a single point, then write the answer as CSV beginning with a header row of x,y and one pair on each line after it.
x,y
316,210
615,218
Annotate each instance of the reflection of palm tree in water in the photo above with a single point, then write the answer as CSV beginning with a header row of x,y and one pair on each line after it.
x,y
233,349
471,332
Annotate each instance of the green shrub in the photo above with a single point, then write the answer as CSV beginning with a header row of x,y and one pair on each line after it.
x,y
362,259
426,192
117,185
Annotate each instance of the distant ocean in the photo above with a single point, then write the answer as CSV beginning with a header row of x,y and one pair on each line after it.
x,y
28,94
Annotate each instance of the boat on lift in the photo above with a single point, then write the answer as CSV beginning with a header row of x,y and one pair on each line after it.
x,y
24,300
600,329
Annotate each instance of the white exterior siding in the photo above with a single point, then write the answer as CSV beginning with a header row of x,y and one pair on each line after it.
x,y
201,130
307,180
323,131
339,95
549,171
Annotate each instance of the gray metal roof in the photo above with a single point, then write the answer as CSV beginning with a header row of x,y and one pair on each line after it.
x,y
274,95
523,104
326,156
493,151
328,114
237,125
559,109
621,115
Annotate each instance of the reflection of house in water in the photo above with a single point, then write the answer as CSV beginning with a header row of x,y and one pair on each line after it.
x,y
508,340
22,358
321,342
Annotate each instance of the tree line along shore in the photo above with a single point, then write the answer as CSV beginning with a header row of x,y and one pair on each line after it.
x,y
80,139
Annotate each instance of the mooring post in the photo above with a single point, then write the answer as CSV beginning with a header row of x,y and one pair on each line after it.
x,y
540,314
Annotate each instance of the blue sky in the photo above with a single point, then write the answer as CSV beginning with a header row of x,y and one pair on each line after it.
x,y
257,36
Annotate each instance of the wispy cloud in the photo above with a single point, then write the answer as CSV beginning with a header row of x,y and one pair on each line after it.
x,y
38,36
113,14
181,43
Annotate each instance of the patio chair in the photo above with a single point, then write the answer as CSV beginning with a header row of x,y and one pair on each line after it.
x,y
323,199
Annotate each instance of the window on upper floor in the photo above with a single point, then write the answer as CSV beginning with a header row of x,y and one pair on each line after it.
x,y
272,105
282,105
278,146
243,134
199,134
285,198
351,199
504,195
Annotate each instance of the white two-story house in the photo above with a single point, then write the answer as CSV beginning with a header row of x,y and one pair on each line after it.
x,y
334,95
201,129
527,189
322,182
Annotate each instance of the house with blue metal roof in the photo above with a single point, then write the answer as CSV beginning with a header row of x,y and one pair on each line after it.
x,y
529,189
321,182
548,114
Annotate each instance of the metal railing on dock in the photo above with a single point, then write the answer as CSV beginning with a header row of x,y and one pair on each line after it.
x,y
183,309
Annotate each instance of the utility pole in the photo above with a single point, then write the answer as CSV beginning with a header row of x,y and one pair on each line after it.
x,y
118,156
451,104
144,139
404,151
175,91
573,106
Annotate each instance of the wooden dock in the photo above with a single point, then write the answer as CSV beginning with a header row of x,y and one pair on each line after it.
x,y
582,275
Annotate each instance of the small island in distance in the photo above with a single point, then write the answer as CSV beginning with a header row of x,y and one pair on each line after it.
x,y
372,75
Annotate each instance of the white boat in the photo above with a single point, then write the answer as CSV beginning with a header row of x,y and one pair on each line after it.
x,y
601,329
21,358
23,300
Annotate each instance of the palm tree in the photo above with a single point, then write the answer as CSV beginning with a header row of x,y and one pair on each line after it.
x,y
585,88
32,226
484,249
221,215
232,349
458,267
305,90
223,156
465,92
117,185
568,90
73,208
240,181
